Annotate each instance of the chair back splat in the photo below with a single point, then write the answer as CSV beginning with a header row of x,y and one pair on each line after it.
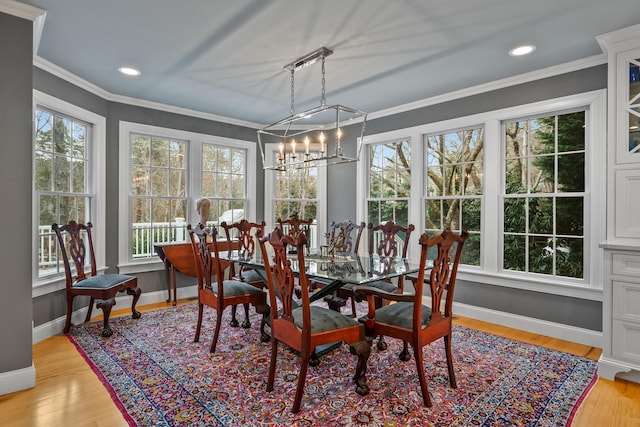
x,y
299,325
409,319
74,239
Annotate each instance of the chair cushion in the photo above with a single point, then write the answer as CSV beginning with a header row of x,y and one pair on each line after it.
x,y
234,288
401,314
102,281
323,319
380,284
252,276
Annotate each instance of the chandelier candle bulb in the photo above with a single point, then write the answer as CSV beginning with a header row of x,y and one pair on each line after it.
x,y
281,157
293,148
306,144
322,142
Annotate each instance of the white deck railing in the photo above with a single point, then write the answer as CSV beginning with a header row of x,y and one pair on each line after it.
x,y
144,235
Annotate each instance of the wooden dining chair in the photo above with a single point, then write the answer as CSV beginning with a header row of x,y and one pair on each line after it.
x,y
298,324
241,234
408,318
223,293
74,241
343,238
387,246
294,225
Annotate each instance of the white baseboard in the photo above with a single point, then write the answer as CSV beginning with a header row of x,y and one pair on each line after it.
x,y
55,326
529,324
20,379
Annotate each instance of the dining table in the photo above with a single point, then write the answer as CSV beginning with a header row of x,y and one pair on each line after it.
x,y
334,270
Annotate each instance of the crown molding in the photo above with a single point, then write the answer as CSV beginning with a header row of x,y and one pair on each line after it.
x,y
65,75
21,10
495,85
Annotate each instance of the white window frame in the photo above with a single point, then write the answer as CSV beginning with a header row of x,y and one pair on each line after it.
x,y
97,181
490,271
270,151
194,183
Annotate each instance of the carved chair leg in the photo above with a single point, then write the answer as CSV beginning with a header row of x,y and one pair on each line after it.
x,y
362,349
417,353
90,310
106,305
246,324
212,349
452,372
199,324
404,355
382,344
234,322
272,365
265,310
67,323
302,376
135,292
314,360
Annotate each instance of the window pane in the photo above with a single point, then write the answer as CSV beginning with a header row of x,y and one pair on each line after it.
x,y
48,210
471,210
571,172
515,252
541,215
516,176
44,171
159,152
177,182
177,158
44,131
541,254
570,257
159,182
433,215
140,150
62,135
515,215
471,251
542,174
569,216
78,176
62,173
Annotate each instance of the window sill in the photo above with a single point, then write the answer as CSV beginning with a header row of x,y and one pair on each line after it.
x,y
153,264
534,284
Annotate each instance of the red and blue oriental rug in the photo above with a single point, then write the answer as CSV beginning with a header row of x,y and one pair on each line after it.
x,y
158,376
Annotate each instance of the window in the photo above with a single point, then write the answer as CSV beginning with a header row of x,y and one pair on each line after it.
x,y
296,190
164,171
158,196
223,182
68,182
544,201
454,171
525,181
61,180
389,182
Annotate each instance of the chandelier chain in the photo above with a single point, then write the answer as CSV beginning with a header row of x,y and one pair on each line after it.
x,y
292,90
322,100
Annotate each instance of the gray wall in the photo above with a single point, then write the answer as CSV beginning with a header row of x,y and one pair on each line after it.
x,y
565,310
16,41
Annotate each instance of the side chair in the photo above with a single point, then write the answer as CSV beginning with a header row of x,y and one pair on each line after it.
x,y
412,321
298,324
242,235
74,240
223,293
340,239
387,247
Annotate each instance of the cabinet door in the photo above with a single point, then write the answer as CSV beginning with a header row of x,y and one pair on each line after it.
x,y
628,104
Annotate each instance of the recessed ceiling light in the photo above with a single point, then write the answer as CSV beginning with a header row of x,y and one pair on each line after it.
x,y
129,71
522,50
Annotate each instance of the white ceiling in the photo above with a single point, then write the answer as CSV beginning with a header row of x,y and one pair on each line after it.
x,y
226,57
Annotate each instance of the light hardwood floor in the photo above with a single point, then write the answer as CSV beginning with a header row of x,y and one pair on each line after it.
x,y
68,393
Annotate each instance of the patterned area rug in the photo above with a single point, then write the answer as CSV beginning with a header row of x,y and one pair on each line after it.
x,y
158,376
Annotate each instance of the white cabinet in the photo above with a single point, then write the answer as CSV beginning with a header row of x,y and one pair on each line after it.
x,y
621,312
621,281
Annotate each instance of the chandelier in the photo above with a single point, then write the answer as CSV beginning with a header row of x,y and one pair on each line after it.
x,y
313,137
